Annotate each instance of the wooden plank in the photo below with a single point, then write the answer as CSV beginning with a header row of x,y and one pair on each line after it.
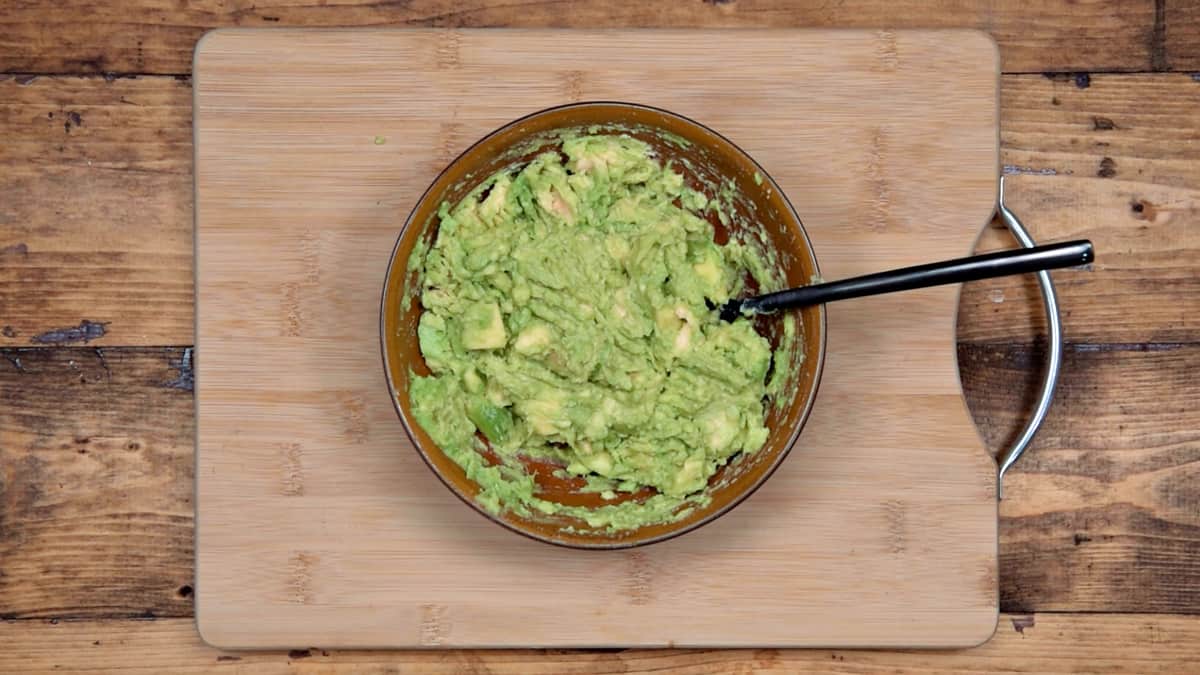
x,y
1028,643
1180,34
1117,162
95,482
110,242
1102,512
95,211
1100,515
151,36
1143,287
1140,129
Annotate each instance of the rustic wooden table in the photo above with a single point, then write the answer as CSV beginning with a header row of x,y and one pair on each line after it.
x,y
1100,531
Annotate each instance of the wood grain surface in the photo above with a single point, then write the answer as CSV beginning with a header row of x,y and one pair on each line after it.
x,y
96,484
155,36
1101,514
95,211
122,178
1028,643
298,205
139,182
1118,162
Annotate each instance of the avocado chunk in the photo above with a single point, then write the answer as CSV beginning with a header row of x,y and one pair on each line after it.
x,y
492,421
483,327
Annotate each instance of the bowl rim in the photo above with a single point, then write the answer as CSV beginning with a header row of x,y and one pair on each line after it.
x,y
737,499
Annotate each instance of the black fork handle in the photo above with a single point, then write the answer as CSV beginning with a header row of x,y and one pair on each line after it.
x,y
959,270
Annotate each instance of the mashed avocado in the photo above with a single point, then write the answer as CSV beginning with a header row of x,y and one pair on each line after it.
x,y
566,316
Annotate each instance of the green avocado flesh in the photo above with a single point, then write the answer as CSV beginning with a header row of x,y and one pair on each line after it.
x,y
565,319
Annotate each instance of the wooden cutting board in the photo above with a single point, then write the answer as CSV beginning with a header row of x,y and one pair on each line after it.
x,y
318,525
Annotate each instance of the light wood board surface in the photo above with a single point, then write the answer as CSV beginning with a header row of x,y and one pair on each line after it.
x,y
317,522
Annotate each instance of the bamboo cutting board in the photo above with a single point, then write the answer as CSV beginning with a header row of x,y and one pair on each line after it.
x,y
318,525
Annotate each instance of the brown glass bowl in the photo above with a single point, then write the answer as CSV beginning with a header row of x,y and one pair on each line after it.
x,y
706,159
